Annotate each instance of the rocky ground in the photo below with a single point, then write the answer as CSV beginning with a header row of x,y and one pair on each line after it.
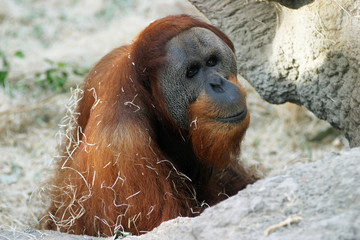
x,y
317,200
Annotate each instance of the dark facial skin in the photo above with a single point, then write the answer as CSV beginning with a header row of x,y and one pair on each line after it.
x,y
199,62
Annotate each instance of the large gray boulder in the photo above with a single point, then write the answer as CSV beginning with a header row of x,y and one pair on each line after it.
x,y
317,200
308,54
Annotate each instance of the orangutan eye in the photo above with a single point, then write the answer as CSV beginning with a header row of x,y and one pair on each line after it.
x,y
192,70
212,61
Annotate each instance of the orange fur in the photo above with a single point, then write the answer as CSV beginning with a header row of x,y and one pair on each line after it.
x,y
115,176
109,173
210,137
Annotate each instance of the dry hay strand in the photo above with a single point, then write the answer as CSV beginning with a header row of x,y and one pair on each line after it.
x,y
68,140
284,223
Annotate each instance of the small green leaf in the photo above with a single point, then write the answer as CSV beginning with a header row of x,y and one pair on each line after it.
x,y
321,135
62,64
19,54
122,235
81,71
3,75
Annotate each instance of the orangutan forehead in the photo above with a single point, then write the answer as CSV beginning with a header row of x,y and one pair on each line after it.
x,y
199,36
196,40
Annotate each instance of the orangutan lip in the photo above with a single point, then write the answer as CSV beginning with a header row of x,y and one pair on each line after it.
x,y
236,118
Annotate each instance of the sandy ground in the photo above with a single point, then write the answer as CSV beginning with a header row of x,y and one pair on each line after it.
x,y
80,32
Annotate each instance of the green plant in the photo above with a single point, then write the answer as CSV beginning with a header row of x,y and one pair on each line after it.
x,y
57,76
122,235
4,70
19,54
54,78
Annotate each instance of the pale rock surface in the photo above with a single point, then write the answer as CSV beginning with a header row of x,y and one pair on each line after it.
x,y
309,56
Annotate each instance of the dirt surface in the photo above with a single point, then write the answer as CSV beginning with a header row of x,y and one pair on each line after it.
x,y
79,33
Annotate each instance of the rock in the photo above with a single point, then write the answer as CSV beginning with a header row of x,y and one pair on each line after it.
x,y
317,200
320,199
295,4
309,56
